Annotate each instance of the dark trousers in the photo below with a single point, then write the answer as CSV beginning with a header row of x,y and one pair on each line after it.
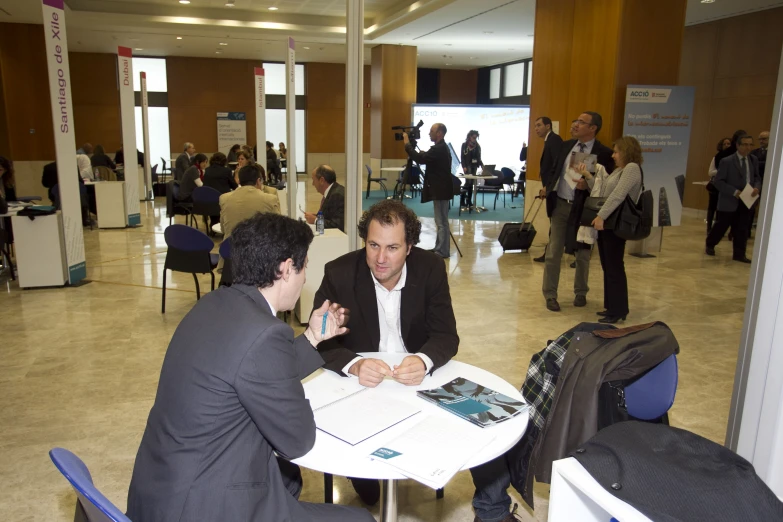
x,y
711,209
611,249
739,221
466,199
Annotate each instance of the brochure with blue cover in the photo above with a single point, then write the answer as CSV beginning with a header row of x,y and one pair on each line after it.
x,y
475,403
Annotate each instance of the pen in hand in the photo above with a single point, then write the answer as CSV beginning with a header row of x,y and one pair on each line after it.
x,y
323,325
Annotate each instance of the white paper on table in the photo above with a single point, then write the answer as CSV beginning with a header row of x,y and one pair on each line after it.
x,y
747,196
434,450
322,392
362,415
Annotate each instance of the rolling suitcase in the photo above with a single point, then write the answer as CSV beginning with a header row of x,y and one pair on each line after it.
x,y
520,236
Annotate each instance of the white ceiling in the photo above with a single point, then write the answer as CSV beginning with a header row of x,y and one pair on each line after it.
x,y
461,34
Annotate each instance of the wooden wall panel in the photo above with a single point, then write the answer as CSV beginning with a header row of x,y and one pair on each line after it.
x,y
733,63
458,87
26,92
199,88
5,144
96,100
393,92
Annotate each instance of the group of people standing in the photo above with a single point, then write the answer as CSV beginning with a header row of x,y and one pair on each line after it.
x,y
735,166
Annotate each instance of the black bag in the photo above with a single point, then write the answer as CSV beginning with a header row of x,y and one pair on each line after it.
x,y
633,221
456,185
520,236
590,212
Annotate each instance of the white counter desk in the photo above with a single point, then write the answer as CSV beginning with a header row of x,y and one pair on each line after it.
x,y
110,203
40,250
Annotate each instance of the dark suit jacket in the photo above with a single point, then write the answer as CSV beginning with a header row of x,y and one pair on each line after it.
x,y
603,152
552,147
426,316
102,160
228,398
333,207
761,155
181,165
731,178
219,178
437,178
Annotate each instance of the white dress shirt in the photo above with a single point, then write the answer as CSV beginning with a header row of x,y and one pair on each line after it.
x,y
389,320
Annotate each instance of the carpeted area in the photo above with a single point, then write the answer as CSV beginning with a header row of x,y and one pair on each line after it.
x,y
511,213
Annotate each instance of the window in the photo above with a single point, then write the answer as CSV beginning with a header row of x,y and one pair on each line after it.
x,y
275,78
158,123
529,77
156,74
494,83
277,129
513,79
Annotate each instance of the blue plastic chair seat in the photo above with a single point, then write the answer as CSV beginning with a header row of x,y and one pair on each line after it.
x,y
652,395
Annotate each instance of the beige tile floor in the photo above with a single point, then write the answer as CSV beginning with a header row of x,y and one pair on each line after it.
x,y
79,366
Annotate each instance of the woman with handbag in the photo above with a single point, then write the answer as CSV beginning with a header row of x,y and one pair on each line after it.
x,y
626,180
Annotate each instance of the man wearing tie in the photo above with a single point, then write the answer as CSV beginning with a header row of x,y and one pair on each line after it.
x,y
560,200
552,144
734,174
333,200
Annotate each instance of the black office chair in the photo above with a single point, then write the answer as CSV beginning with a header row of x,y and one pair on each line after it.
x,y
175,207
379,181
164,169
494,185
227,277
188,251
206,203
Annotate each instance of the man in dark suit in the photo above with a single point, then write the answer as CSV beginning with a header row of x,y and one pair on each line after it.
x,y
230,395
183,161
438,185
400,301
333,200
552,144
734,174
560,197
761,153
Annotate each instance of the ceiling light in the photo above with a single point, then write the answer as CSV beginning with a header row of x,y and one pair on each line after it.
x,y
138,49
230,3
223,43
273,8
184,1
218,52
448,64
179,38
707,1
306,48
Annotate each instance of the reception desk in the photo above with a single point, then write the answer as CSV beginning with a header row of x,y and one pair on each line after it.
x,y
323,249
40,250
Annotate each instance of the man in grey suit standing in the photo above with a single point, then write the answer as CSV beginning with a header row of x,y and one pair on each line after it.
x,y
734,174
183,161
230,395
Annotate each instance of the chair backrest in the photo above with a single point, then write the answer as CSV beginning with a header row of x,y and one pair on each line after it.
x,y
163,162
104,173
96,506
187,239
508,175
205,195
225,248
172,190
154,169
652,394
369,171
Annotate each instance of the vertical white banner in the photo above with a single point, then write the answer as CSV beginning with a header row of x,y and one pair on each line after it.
x,y
290,113
260,88
128,119
64,140
145,133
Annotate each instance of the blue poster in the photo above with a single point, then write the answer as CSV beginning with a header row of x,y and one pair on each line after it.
x,y
660,117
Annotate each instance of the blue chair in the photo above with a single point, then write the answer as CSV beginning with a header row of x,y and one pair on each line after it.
x,y
227,277
651,396
206,203
508,181
176,207
379,181
188,251
92,506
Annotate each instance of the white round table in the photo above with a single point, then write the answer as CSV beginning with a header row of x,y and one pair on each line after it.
x,y
479,210
331,455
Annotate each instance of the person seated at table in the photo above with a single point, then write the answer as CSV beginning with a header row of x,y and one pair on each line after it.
x,y
192,177
85,149
399,295
119,157
218,176
333,201
272,163
246,201
243,158
230,408
184,160
100,159
232,153
7,180
84,166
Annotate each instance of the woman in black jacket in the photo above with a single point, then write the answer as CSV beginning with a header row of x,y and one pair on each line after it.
x,y
471,161
218,176
100,159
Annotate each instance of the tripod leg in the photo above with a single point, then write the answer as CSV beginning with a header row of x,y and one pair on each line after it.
x,y
455,243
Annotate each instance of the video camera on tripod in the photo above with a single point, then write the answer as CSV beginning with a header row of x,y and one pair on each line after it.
x,y
414,133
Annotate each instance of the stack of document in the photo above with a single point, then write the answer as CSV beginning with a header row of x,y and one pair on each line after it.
x,y
434,450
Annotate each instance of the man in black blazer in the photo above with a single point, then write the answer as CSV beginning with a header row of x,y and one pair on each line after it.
x,y
734,174
560,202
552,144
399,299
230,395
438,185
333,201
183,161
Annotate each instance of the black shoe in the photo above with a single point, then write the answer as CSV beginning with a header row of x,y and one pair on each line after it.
x,y
602,314
369,490
573,265
710,251
580,300
540,259
611,319
742,259
552,305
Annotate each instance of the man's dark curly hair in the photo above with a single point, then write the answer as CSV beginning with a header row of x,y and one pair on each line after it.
x,y
388,213
261,243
